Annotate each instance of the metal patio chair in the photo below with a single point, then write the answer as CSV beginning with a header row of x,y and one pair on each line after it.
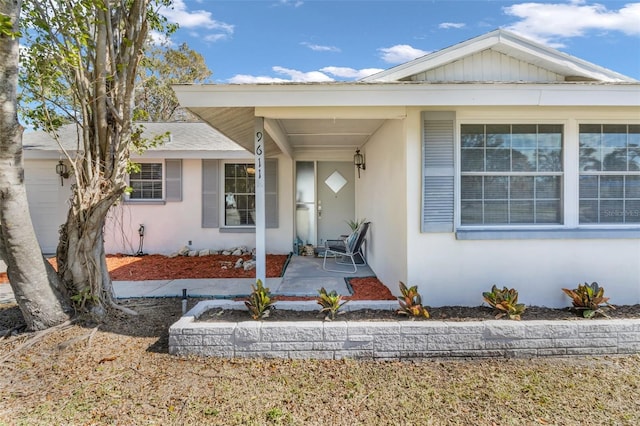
x,y
350,247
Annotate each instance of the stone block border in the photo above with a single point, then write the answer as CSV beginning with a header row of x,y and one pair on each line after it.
x,y
395,340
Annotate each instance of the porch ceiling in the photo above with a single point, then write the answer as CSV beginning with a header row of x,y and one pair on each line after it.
x,y
290,135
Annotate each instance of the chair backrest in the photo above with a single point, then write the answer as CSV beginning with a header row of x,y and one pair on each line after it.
x,y
356,242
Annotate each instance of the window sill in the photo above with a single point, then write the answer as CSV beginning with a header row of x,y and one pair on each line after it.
x,y
146,202
238,230
547,234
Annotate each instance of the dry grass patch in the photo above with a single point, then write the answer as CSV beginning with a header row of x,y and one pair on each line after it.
x,y
123,375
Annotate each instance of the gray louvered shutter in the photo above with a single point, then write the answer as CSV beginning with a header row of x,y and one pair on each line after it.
x,y
438,171
271,193
173,180
210,194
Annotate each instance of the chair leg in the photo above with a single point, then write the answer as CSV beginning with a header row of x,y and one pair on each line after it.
x,y
353,262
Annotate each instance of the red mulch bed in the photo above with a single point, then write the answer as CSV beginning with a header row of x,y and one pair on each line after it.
x,y
159,267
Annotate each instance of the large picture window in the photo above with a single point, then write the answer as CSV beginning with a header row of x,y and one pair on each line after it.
x,y
146,184
511,174
609,174
240,197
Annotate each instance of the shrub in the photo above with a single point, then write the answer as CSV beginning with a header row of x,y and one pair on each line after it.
x,y
259,302
411,302
505,301
589,299
330,302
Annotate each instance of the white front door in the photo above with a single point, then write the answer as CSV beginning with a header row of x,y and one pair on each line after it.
x,y
336,199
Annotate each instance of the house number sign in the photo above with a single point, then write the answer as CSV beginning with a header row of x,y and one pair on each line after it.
x,y
259,159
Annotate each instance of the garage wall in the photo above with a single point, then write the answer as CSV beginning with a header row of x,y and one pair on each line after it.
x,y
48,201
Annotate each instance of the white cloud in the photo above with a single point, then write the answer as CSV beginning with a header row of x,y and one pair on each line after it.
x,y
301,76
320,48
350,73
400,53
323,75
294,76
549,23
448,25
179,13
159,39
294,3
251,79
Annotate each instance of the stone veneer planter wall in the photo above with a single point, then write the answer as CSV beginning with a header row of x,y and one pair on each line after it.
x,y
396,340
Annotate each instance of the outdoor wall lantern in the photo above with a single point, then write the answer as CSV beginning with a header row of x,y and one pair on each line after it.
x,y
62,171
358,161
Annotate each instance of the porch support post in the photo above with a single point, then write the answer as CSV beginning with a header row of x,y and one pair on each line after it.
x,y
261,255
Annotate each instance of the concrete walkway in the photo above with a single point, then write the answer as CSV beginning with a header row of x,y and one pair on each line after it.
x,y
304,276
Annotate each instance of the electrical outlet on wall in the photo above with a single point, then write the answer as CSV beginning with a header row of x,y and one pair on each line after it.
x,y
190,242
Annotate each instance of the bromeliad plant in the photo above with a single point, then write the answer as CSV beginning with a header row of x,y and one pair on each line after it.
x,y
589,299
259,302
411,302
505,301
330,302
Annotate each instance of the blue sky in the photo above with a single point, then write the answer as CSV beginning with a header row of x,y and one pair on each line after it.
x,y
321,40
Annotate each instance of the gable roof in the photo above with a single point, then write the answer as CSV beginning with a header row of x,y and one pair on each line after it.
x,y
186,140
567,67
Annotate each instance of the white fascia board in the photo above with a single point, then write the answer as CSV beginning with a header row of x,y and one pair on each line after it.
x,y
554,60
406,94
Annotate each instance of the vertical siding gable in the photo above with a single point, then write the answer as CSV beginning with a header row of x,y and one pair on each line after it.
x,y
438,172
489,65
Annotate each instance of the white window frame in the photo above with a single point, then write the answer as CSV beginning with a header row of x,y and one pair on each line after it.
x,y
576,217
459,173
570,196
128,196
223,196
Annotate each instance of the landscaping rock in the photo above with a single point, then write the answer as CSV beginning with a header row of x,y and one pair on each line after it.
x,y
193,253
237,252
239,263
226,253
249,265
184,251
205,252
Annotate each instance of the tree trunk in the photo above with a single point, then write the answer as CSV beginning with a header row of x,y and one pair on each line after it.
x,y
34,283
81,257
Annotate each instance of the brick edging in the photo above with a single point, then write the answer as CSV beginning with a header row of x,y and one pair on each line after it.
x,y
396,340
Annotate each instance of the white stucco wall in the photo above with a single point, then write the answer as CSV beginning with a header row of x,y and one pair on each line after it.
x,y
171,226
381,197
450,271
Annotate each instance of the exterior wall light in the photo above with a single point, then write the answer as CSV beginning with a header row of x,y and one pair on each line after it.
x,y
62,171
358,161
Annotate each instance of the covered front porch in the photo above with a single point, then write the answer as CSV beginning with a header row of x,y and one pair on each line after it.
x,y
318,129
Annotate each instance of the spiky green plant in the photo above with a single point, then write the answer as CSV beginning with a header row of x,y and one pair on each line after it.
x,y
411,302
505,301
330,302
259,302
355,224
589,299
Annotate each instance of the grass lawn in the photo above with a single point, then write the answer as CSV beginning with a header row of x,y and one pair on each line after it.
x,y
121,374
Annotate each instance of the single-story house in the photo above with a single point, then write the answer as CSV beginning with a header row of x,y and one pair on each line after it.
x,y
168,198
494,161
